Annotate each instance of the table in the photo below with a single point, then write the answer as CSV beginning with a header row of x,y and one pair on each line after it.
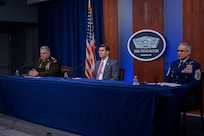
x,y
91,107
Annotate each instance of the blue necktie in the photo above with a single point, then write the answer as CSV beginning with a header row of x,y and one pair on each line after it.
x,y
181,62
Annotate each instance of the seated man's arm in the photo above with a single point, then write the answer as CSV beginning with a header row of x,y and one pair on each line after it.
x,y
167,78
194,77
53,71
115,73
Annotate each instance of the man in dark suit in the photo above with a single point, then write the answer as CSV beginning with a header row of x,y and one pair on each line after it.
x,y
106,68
184,70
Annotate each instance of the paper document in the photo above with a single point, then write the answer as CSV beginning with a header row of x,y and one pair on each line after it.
x,y
32,77
169,84
165,84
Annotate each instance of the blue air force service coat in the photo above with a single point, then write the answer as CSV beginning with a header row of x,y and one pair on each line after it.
x,y
187,73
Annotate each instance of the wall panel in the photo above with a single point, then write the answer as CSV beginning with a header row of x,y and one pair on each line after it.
x,y
148,14
193,28
111,26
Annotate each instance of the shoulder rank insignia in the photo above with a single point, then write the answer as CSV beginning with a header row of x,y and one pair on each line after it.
x,y
54,60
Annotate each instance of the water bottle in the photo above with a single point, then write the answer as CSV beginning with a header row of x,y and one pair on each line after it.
x,y
65,75
17,73
135,81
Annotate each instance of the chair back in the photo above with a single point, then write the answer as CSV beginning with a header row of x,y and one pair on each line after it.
x,y
194,105
199,92
189,106
66,69
122,74
201,88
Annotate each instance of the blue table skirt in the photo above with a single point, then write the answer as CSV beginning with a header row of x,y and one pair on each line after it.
x,y
90,107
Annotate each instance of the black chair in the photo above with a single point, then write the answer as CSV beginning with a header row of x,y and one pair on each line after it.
x,y
195,105
122,74
66,69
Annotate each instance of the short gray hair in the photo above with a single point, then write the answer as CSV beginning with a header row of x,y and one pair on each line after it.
x,y
45,47
188,46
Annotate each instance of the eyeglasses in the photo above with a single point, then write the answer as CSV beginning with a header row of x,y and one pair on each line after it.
x,y
181,50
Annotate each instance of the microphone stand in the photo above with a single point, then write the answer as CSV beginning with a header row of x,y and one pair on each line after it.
x,y
25,66
75,68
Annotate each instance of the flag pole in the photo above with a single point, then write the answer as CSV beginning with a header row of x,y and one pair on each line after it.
x,y
90,45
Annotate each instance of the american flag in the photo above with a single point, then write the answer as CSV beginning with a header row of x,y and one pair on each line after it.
x,y
90,45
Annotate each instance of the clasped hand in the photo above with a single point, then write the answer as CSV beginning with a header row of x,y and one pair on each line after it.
x,y
33,72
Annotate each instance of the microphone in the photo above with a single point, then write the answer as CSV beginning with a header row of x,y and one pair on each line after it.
x,y
24,68
26,65
75,68
157,74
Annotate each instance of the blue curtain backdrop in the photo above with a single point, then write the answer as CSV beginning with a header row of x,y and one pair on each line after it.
x,y
63,27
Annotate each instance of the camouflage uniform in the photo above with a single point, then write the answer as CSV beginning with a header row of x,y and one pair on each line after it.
x,y
48,67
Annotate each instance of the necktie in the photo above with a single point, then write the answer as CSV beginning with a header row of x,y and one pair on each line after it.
x,y
99,70
181,62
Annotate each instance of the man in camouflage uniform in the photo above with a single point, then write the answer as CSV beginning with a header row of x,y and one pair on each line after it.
x,y
46,65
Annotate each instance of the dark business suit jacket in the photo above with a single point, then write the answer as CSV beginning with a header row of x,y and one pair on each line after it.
x,y
111,70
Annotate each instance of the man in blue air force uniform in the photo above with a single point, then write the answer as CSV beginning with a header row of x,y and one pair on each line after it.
x,y
185,70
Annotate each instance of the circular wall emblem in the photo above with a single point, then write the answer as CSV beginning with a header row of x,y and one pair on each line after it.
x,y
146,45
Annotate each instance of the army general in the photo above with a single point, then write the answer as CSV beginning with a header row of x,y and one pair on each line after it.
x,y
46,65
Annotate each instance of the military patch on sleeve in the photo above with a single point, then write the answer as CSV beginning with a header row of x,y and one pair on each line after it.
x,y
55,61
197,74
